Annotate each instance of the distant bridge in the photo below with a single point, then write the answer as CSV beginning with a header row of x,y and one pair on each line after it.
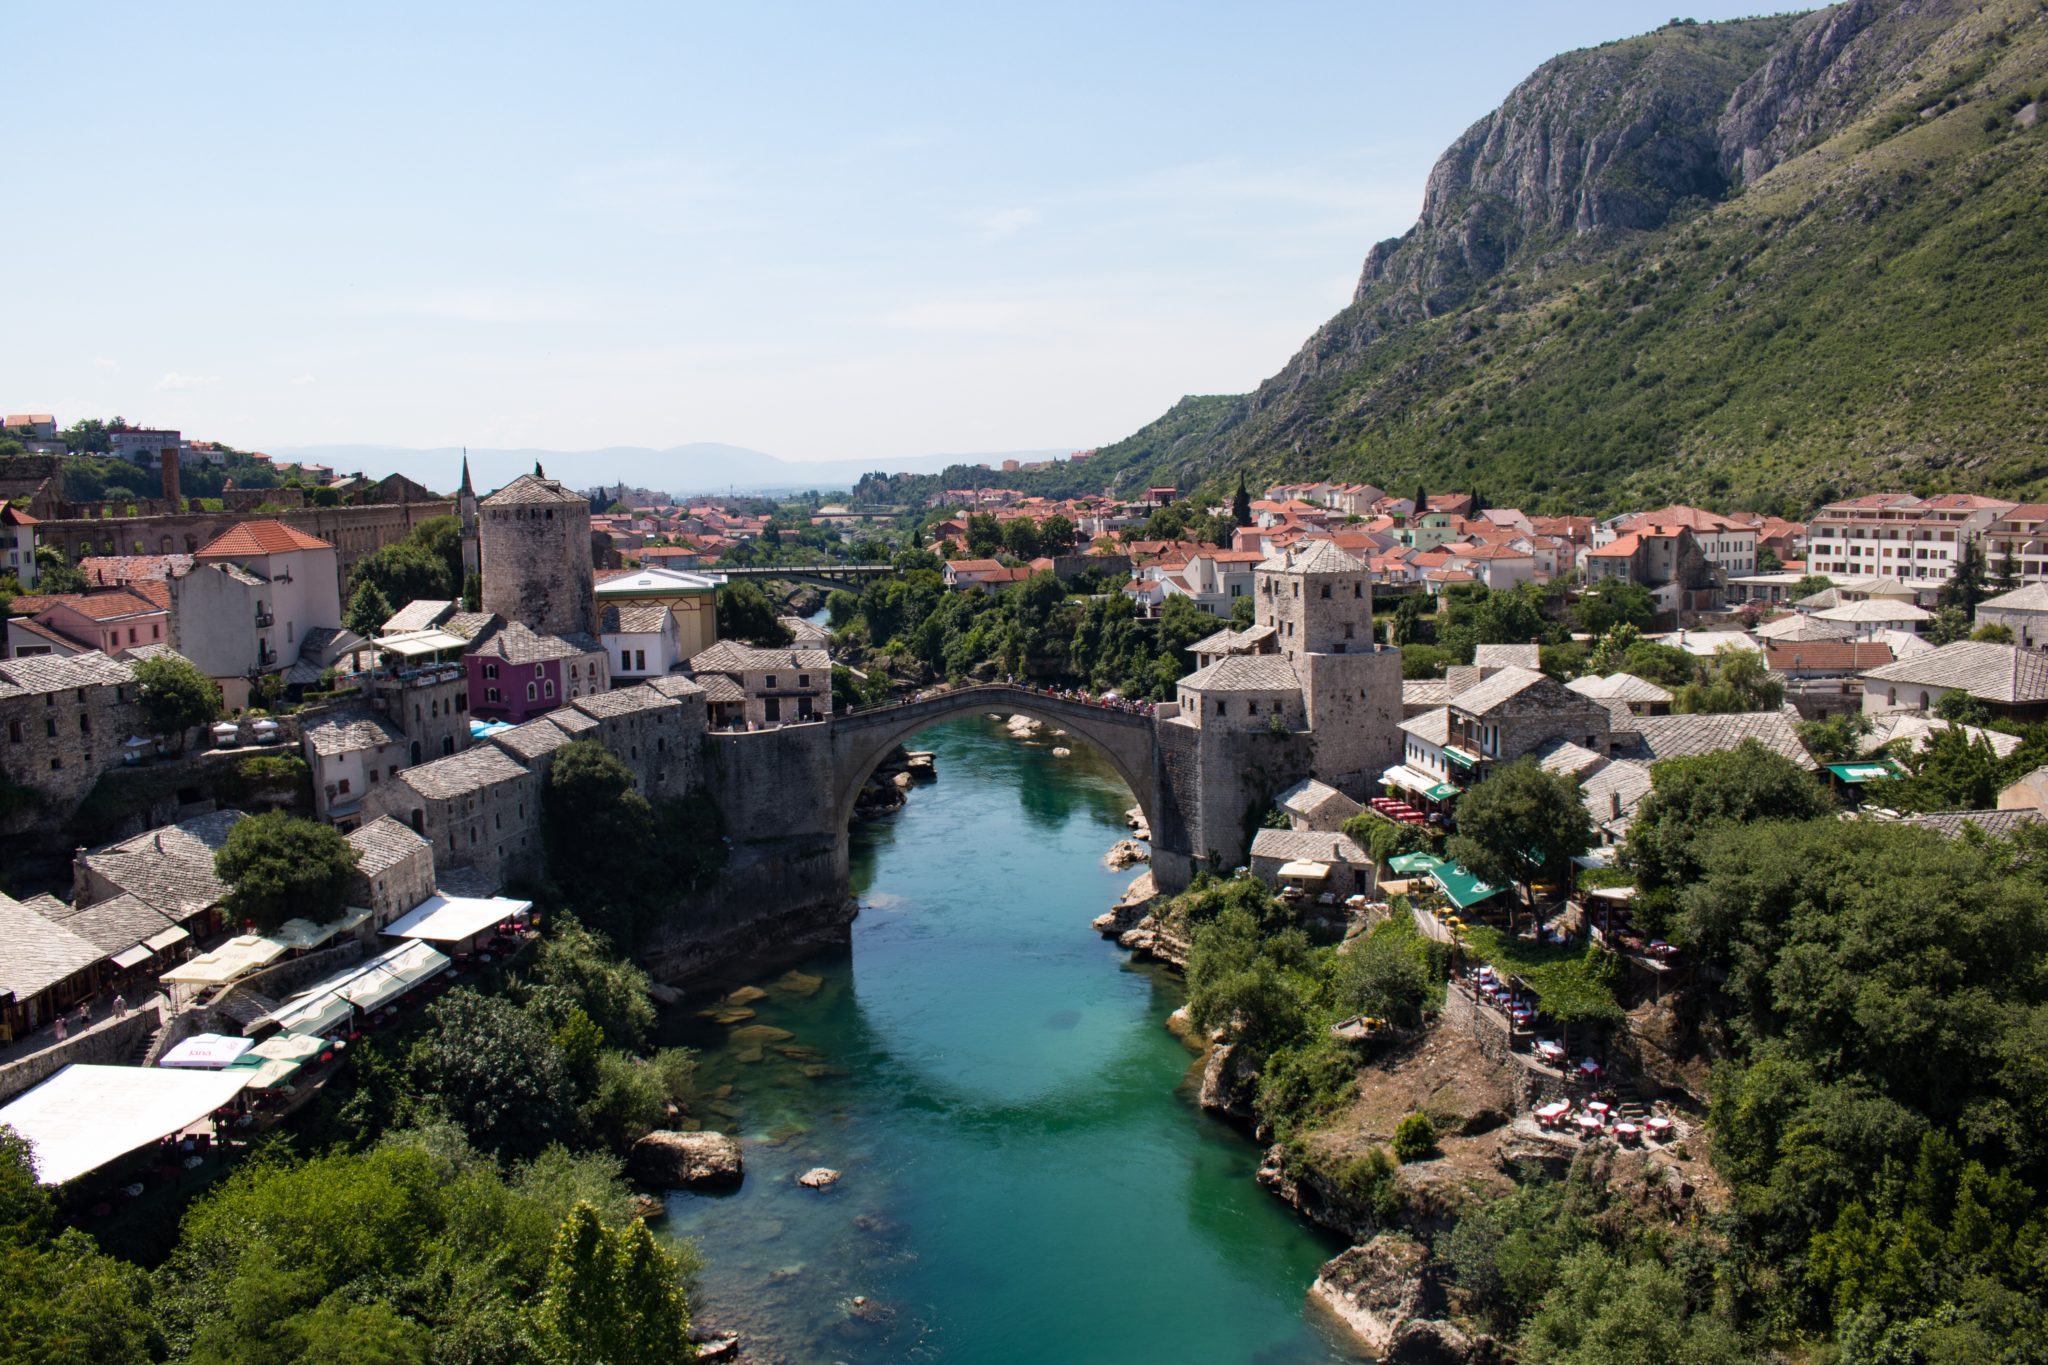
x,y
827,576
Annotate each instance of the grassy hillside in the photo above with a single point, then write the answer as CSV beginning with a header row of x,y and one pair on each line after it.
x,y
1870,313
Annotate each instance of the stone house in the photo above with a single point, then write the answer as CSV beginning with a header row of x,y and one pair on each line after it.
x,y
657,734
394,869
350,751
781,686
1667,560
1319,862
169,868
2010,680
45,970
2024,612
63,721
480,809
1316,806
1515,712
18,545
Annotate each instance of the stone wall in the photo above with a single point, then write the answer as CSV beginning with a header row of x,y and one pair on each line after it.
x,y
1354,708
537,566
1222,778
107,1043
353,531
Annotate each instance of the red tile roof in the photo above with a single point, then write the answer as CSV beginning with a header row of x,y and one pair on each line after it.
x,y
259,538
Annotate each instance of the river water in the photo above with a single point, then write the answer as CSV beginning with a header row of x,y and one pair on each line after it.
x,y
1026,1176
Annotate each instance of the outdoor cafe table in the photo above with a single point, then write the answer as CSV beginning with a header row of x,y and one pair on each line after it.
x,y
1587,1123
1596,1107
1556,1109
1627,1132
1660,1127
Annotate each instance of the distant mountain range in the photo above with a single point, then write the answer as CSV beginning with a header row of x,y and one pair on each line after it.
x,y
696,468
1759,263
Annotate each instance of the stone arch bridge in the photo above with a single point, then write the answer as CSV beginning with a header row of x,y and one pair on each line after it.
x,y
1128,739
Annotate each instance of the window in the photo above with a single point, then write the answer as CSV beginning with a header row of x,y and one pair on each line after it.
x,y
575,670
1251,708
1326,591
14,731
490,670
50,728
373,777
131,635
342,786
549,687
491,694
625,659
56,765
532,692
640,660
85,725
771,682
1221,707
803,680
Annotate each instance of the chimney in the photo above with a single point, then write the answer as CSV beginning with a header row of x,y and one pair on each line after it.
x,y
170,469
81,885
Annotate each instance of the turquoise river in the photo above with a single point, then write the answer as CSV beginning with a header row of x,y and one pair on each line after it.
x,y
1026,1175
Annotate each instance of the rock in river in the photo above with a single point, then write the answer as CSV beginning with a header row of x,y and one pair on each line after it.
x,y
1378,1289
682,1161
818,1177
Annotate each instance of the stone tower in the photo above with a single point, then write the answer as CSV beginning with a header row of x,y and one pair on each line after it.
x,y
465,508
1318,600
534,535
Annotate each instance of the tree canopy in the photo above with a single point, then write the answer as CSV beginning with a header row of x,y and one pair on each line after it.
x,y
1519,823
279,867
745,613
176,697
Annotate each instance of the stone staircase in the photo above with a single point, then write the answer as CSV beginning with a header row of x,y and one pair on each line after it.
x,y
145,1046
1628,1102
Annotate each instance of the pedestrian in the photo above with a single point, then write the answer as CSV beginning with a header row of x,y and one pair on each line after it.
x,y
120,1006
60,1028
84,1013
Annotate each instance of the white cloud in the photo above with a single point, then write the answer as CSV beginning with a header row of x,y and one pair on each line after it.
x,y
106,364
996,223
174,381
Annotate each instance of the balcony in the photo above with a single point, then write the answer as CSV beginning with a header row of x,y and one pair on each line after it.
x,y
265,620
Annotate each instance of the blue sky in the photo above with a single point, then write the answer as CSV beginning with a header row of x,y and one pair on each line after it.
x,y
844,231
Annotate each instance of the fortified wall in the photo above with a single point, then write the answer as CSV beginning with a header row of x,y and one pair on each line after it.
x,y
353,531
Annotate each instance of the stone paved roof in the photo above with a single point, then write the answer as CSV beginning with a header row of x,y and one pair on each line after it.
x,y
1508,656
116,924
171,867
351,731
2032,597
517,643
383,844
675,685
621,701
1245,673
41,673
1995,824
1988,672
1309,796
1612,793
421,614
534,489
462,774
39,953
470,624
632,619
803,633
1801,628
1625,687
1502,687
536,737
1662,737
1228,641
1918,730
730,656
1431,727
1563,756
1425,692
720,690
1316,845
1312,557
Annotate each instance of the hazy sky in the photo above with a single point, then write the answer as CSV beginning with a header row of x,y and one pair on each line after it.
x,y
847,230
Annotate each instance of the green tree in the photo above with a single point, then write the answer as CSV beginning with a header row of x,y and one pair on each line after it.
x,y
1020,537
62,1302
1056,535
745,613
403,572
1950,624
984,535
1738,680
611,1298
1520,822
176,697
279,867
1241,503
441,537
1837,738
494,1070
2007,577
55,574
368,610
472,592
613,993
1992,633
1953,770
1242,978
1615,602
1809,586
1691,799
1414,1138
1965,587
1767,560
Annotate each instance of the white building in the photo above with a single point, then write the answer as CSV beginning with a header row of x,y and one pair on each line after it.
x,y
255,593
1729,545
641,638
18,545
142,446
1896,535
350,752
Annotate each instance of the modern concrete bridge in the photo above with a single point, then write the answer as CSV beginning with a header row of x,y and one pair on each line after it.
x,y
826,576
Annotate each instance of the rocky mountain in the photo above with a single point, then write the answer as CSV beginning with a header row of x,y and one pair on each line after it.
x,y
1756,262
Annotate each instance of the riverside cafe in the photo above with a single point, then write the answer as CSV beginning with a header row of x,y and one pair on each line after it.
x,y
248,953
1459,887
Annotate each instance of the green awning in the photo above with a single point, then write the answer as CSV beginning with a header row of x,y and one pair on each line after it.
x,y
1868,771
1442,791
1460,757
1409,864
1464,889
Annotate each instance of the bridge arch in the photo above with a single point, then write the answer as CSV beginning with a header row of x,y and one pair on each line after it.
x,y
860,741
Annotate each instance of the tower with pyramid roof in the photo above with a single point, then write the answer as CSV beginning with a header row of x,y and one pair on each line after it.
x,y
465,508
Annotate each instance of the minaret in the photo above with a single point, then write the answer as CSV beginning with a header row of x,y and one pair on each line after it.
x,y
465,507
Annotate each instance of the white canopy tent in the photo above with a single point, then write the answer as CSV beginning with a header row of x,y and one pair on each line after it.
x,y
85,1116
455,919
205,1051
366,986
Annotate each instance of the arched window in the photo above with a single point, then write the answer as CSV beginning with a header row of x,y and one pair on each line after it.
x,y
532,692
